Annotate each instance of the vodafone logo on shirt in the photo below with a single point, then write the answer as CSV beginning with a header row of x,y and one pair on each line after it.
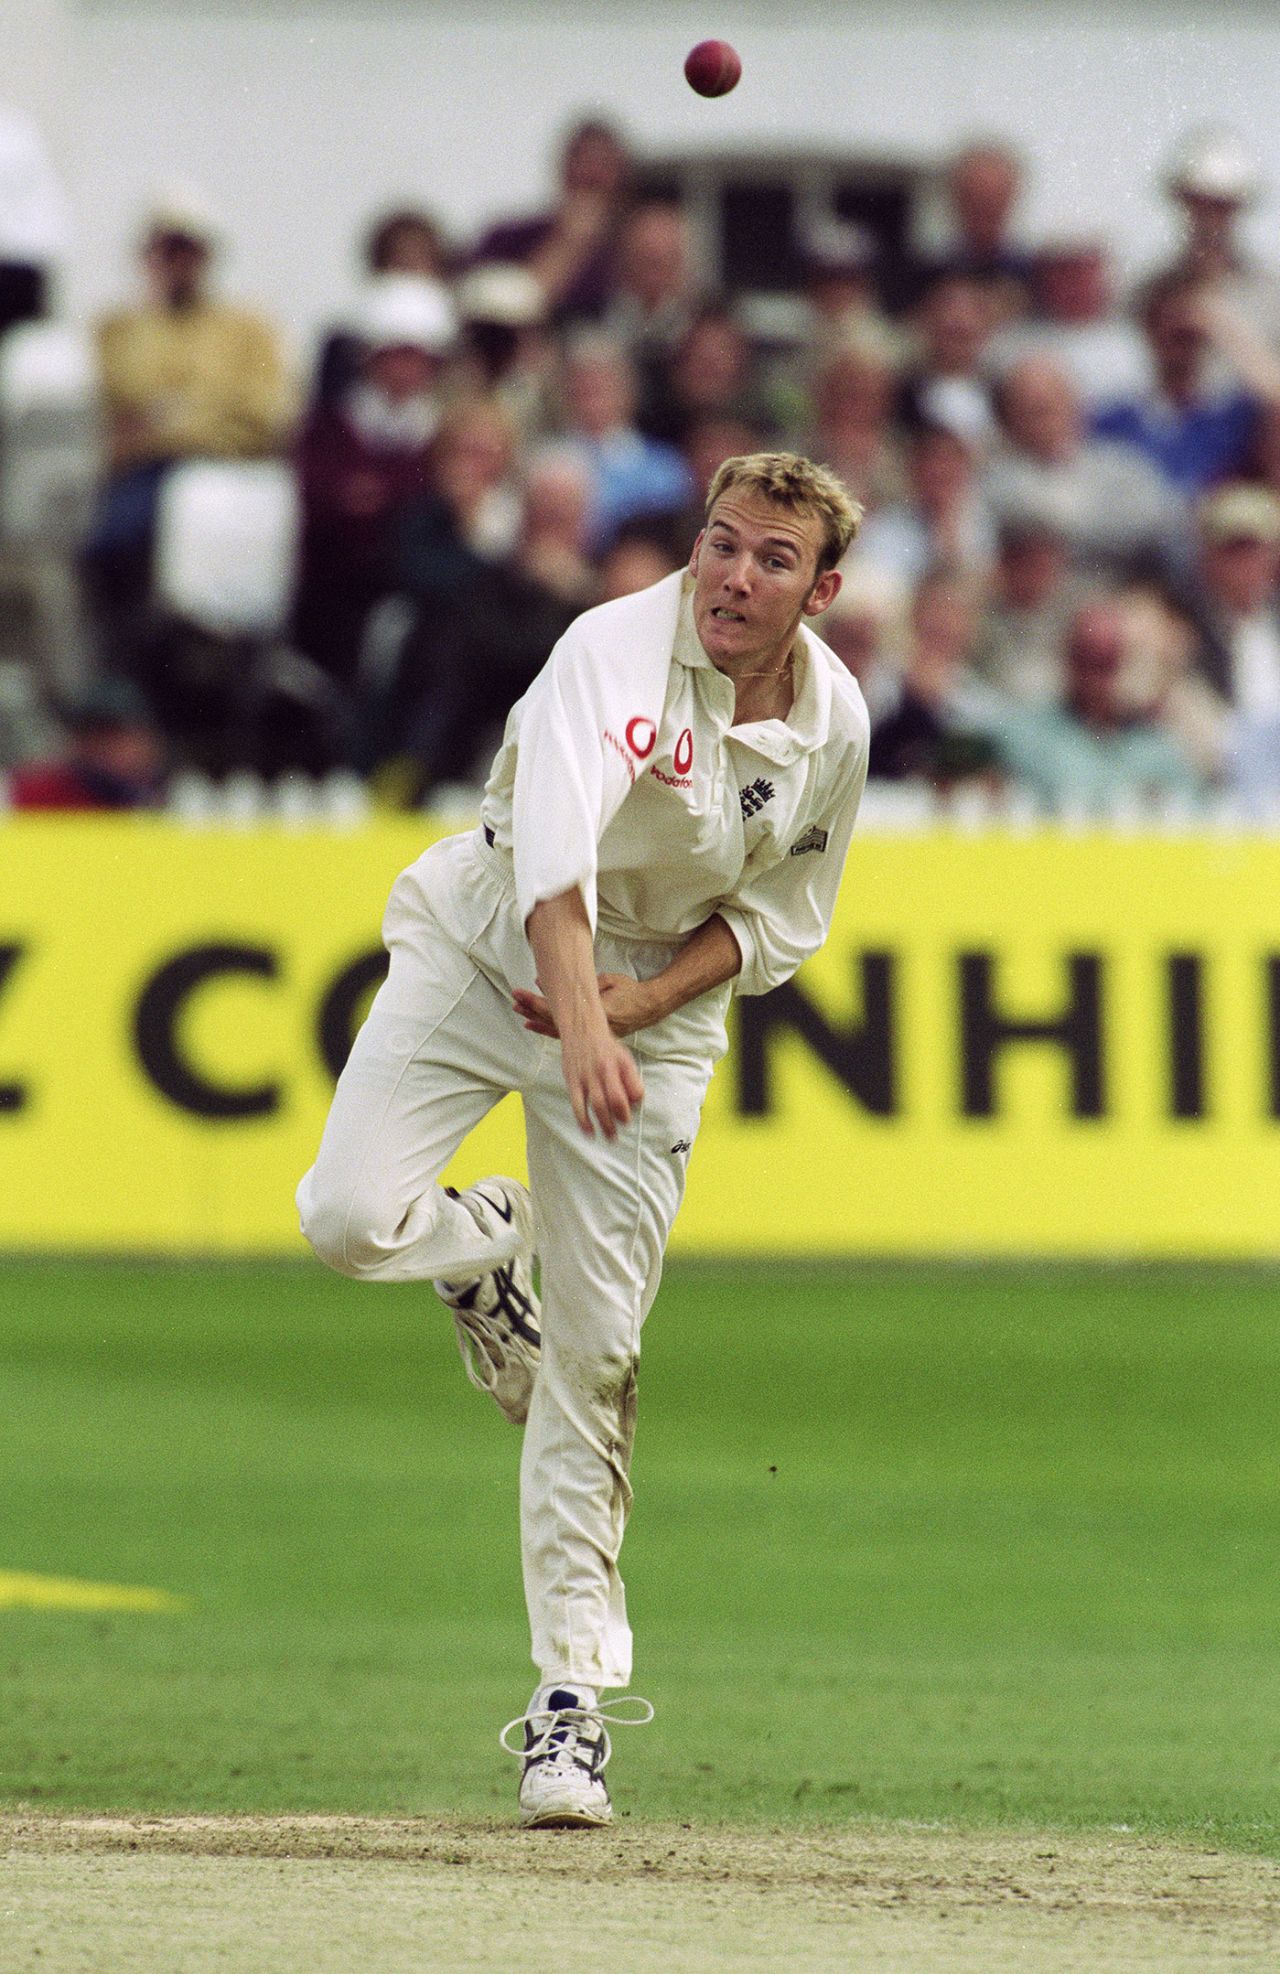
x,y
681,761
641,736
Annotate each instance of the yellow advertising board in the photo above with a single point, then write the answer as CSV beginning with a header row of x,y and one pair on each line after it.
x,y
1012,1044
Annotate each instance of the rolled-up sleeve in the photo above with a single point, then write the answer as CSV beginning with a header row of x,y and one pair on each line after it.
x,y
781,914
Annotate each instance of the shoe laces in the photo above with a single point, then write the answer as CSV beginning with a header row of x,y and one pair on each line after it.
x,y
552,1734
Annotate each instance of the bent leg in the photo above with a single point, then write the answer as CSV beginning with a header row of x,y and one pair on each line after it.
x,y
438,1050
605,1211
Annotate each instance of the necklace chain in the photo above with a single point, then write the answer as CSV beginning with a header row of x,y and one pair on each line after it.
x,y
780,673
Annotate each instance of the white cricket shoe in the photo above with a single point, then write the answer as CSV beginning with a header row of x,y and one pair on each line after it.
x,y
564,1751
496,1314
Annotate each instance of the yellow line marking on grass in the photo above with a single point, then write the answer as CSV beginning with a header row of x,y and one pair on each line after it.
x,y
23,1591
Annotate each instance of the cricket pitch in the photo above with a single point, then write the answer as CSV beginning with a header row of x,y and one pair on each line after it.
x,y
244,1895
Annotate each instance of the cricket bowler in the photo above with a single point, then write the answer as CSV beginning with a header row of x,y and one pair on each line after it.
x,y
665,824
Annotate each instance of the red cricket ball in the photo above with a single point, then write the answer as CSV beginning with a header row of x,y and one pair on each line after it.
x,y
712,68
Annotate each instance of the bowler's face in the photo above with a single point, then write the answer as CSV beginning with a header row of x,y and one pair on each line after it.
x,y
755,571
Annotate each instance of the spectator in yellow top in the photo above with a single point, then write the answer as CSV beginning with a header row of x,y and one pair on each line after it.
x,y
184,376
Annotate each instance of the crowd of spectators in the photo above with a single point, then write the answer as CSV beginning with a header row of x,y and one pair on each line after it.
x,y
1068,578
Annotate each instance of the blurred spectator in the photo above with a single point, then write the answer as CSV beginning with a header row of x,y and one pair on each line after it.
x,y
114,757
569,249
1075,324
402,241
1101,744
1234,597
631,476
1163,644
948,384
653,300
362,461
853,433
866,628
709,442
709,377
1213,180
943,520
450,537
1193,430
983,187
553,531
930,734
33,222
477,645
184,376
1112,506
840,288
507,351
1034,594
635,559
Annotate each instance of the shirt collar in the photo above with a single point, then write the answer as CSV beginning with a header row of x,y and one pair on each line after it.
x,y
806,725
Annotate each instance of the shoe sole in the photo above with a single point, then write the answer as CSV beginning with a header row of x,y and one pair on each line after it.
x,y
565,1820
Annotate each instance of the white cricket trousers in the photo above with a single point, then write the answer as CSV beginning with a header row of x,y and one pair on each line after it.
x,y
441,1045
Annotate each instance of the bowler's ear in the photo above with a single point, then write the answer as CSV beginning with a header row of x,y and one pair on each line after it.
x,y
824,593
693,554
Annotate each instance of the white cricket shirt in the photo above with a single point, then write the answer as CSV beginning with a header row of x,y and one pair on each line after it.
x,y
621,773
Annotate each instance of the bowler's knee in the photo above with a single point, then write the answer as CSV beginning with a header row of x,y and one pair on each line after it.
x,y
334,1227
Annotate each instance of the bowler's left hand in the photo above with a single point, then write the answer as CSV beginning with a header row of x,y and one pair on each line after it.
x,y
628,1005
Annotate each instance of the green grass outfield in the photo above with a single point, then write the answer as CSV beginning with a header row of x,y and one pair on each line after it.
x,y
978,1546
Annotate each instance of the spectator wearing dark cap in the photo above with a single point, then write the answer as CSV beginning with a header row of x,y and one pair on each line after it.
x,y
184,376
1114,508
114,757
363,461
569,250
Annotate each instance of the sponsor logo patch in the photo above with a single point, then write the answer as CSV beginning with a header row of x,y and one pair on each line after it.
x,y
641,736
813,839
681,1146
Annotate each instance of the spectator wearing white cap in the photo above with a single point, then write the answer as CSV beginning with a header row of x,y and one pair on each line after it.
x,y
184,376
1214,180
1234,598
506,351
364,460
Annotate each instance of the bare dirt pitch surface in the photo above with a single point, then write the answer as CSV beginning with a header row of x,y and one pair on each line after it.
x,y
236,1895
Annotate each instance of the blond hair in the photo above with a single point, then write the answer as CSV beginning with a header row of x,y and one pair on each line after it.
x,y
799,485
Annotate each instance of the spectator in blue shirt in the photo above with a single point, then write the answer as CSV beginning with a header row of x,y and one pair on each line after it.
x,y
1194,431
